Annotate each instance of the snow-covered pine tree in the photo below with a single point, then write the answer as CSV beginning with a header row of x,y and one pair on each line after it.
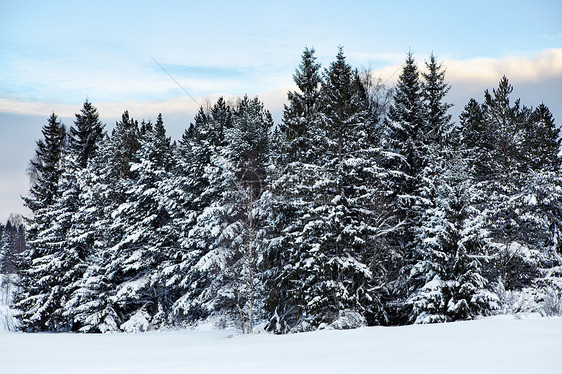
x,y
295,171
105,188
12,243
514,163
90,304
86,134
542,140
434,90
354,208
45,167
539,207
145,239
233,221
405,142
303,109
445,281
55,265
328,200
45,171
60,252
441,261
505,130
198,185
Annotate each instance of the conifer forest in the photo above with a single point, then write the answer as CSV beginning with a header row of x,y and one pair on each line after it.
x,y
367,205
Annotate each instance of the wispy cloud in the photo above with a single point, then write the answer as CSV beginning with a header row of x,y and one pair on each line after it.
x,y
154,92
122,74
544,65
476,71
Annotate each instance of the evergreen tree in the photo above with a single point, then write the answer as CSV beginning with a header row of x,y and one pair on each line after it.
x,y
405,142
86,134
434,90
299,144
440,253
45,172
303,109
224,273
54,264
542,142
324,212
91,305
445,281
12,243
125,143
145,241
45,167
199,186
513,147
58,252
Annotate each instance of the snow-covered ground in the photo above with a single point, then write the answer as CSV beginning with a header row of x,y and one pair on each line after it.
x,y
493,345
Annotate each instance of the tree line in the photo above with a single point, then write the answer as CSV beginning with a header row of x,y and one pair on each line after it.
x,y
365,206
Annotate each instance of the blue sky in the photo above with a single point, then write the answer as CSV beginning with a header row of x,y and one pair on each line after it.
x,y
54,54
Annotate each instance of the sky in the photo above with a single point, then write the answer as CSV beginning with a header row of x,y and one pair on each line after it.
x,y
56,54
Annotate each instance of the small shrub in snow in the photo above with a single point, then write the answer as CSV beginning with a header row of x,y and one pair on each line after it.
x,y
552,302
139,322
348,319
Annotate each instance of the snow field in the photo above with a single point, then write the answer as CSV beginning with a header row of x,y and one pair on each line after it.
x,y
492,345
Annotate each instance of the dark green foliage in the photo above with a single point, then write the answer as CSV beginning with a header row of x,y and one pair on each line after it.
x,y
86,134
45,167
434,90
303,111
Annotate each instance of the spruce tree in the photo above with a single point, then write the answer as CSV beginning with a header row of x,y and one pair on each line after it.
x,y
319,254
300,144
94,303
86,134
45,167
45,172
406,157
439,256
542,143
434,90
303,109
240,245
514,148
59,252
91,305
221,269
199,186
145,242
405,142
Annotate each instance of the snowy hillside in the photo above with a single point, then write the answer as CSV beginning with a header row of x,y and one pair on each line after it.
x,y
493,345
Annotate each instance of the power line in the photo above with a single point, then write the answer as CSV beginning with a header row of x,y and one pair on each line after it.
x,y
174,79
396,71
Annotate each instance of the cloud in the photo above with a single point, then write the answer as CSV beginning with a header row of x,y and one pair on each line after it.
x,y
467,77
476,71
536,78
547,64
117,73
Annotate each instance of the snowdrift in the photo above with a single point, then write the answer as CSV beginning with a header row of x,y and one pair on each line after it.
x,y
493,345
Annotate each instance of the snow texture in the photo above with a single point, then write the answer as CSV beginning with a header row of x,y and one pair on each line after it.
x,y
8,322
492,345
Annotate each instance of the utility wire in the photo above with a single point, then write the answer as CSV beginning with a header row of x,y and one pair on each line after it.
x,y
392,75
174,79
